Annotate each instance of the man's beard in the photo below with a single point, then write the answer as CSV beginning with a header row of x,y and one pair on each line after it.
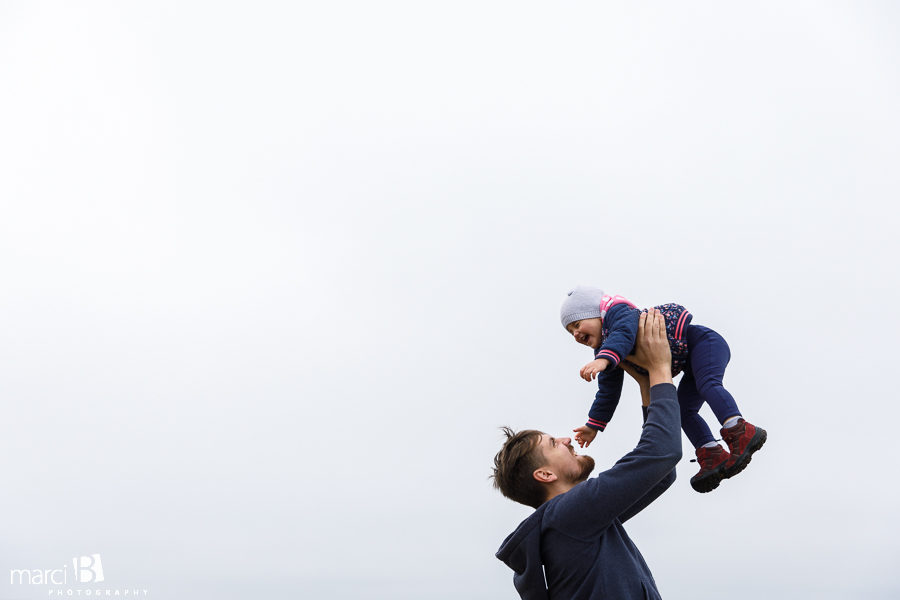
x,y
587,465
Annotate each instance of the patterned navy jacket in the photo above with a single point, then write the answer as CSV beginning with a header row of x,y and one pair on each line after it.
x,y
618,334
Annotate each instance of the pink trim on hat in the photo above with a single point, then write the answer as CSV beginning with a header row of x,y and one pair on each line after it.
x,y
608,302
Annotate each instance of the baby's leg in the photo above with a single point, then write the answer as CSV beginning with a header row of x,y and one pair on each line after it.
x,y
690,401
709,355
710,455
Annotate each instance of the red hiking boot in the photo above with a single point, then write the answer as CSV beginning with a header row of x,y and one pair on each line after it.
x,y
712,468
743,440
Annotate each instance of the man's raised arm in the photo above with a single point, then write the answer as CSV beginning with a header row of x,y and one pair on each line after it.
x,y
635,479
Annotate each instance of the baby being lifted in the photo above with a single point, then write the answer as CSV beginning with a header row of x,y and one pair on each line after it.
x,y
609,324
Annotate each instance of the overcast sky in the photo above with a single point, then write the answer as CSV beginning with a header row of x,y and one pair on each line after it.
x,y
274,273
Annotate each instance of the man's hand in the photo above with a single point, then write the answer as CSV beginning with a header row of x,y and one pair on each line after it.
x,y
652,350
584,435
590,370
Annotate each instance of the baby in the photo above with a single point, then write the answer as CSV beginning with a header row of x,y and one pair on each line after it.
x,y
609,324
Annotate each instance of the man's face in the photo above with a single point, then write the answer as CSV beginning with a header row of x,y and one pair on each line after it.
x,y
586,331
560,458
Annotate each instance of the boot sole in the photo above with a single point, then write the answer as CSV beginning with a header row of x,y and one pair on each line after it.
x,y
755,444
708,483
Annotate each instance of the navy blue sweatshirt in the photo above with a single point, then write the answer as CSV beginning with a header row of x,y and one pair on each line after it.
x,y
577,538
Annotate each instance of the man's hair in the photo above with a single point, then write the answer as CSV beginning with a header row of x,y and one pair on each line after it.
x,y
515,464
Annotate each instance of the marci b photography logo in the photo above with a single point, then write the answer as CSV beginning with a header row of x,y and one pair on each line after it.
x,y
85,569
83,572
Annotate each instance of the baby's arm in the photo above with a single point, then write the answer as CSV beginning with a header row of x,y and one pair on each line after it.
x,y
609,388
622,321
594,368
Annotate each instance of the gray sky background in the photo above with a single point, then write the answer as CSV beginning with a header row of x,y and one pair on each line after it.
x,y
274,273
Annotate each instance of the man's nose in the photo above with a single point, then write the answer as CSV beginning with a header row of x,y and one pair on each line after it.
x,y
566,441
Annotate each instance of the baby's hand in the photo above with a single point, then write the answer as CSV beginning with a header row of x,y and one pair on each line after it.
x,y
590,370
584,435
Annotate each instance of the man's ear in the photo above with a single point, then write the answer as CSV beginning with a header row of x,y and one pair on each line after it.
x,y
544,476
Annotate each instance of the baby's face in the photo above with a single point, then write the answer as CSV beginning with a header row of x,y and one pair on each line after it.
x,y
586,331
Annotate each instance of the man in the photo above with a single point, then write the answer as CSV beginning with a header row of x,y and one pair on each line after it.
x,y
574,546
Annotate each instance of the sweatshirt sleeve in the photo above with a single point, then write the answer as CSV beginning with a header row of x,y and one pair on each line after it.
x,y
622,321
634,481
657,490
609,390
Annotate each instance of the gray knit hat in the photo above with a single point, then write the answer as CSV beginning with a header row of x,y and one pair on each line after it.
x,y
582,303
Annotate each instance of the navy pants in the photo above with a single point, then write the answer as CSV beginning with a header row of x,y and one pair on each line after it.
x,y
708,355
